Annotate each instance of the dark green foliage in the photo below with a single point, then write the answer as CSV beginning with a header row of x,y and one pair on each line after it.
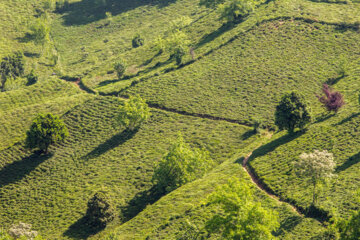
x,y
62,5
137,41
120,68
45,130
350,229
12,66
32,78
292,112
100,211
179,54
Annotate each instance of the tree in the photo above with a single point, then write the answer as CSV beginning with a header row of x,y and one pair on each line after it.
x,y
180,165
333,100
12,66
133,113
120,68
46,129
100,210
235,9
242,217
40,31
317,167
292,112
137,41
232,10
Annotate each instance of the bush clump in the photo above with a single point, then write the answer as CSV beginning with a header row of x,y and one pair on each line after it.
x,y
137,41
12,66
32,78
333,100
119,68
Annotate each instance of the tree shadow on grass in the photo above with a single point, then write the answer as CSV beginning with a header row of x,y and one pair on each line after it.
x,y
271,146
323,118
17,170
248,134
350,162
88,11
111,143
217,33
139,203
345,120
81,229
288,225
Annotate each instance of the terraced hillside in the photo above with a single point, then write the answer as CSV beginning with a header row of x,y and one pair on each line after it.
x,y
236,76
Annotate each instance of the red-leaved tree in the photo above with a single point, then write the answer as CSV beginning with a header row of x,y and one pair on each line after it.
x,y
333,100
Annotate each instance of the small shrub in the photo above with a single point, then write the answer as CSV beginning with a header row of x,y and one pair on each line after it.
x,y
292,112
46,129
179,54
62,5
120,68
137,41
100,210
40,31
333,100
32,78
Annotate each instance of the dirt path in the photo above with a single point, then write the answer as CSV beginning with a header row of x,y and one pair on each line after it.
x,y
262,186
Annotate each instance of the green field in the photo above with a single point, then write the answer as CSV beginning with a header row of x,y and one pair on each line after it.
x,y
236,77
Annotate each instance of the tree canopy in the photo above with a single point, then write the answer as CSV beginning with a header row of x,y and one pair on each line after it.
x,y
242,217
292,112
180,165
46,129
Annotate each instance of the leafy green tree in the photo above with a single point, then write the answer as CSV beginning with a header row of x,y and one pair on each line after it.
x,y
40,31
292,112
242,217
12,66
120,68
133,113
317,167
180,165
46,129
235,9
100,210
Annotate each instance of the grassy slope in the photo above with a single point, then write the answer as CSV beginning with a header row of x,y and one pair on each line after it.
x,y
98,156
34,190
242,80
166,219
338,134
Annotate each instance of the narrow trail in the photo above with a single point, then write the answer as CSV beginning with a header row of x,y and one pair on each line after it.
x,y
82,87
255,179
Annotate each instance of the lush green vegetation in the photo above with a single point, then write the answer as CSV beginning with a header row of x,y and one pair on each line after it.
x,y
214,73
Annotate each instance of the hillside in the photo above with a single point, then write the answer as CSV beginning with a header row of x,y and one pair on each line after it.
x,y
232,78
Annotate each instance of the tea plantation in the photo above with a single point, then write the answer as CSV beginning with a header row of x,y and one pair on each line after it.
x,y
174,68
